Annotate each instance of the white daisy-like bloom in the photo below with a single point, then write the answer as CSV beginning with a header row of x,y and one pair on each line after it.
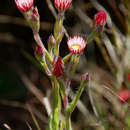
x,y
76,44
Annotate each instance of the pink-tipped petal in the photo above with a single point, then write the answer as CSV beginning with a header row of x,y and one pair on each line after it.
x,y
24,5
62,5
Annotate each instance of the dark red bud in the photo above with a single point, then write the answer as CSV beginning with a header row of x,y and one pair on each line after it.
x,y
124,95
58,69
128,77
100,18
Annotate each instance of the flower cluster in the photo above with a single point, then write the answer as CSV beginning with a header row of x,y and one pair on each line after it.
x,y
51,61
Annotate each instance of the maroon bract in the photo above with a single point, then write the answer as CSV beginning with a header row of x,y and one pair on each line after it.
x,y
58,69
128,77
124,95
100,18
62,5
24,5
76,44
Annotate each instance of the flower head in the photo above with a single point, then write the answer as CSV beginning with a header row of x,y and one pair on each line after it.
x,y
100,18
24,5
58,69
124,95
62,5
76,44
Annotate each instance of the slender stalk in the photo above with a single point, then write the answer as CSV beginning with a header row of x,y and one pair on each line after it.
x,y
73,104
90,37
57,49
66,93
68,122
58,32
56,105
33,117
46,68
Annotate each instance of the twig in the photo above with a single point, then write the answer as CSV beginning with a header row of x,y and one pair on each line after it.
x,y
23,106
5,19
33,117
30,86
91,100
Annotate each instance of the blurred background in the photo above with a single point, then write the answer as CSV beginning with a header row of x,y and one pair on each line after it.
x,y
107,58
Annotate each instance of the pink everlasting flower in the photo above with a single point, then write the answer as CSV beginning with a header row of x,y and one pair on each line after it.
x,y
76,44
24,5
124,95
58,69
100,18
62,5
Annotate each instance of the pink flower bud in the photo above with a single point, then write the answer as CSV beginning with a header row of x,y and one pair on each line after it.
x,y
58,69
24,5
76,44
39,52
51,40
124,95
62,5
100,18
85,77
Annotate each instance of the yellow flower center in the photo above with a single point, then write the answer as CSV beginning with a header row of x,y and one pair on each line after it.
x,y
76,46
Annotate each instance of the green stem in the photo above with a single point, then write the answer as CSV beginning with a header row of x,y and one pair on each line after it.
x,y
58,32
56,105
90,37
74,65
73,104
68,122
57,49
46,68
